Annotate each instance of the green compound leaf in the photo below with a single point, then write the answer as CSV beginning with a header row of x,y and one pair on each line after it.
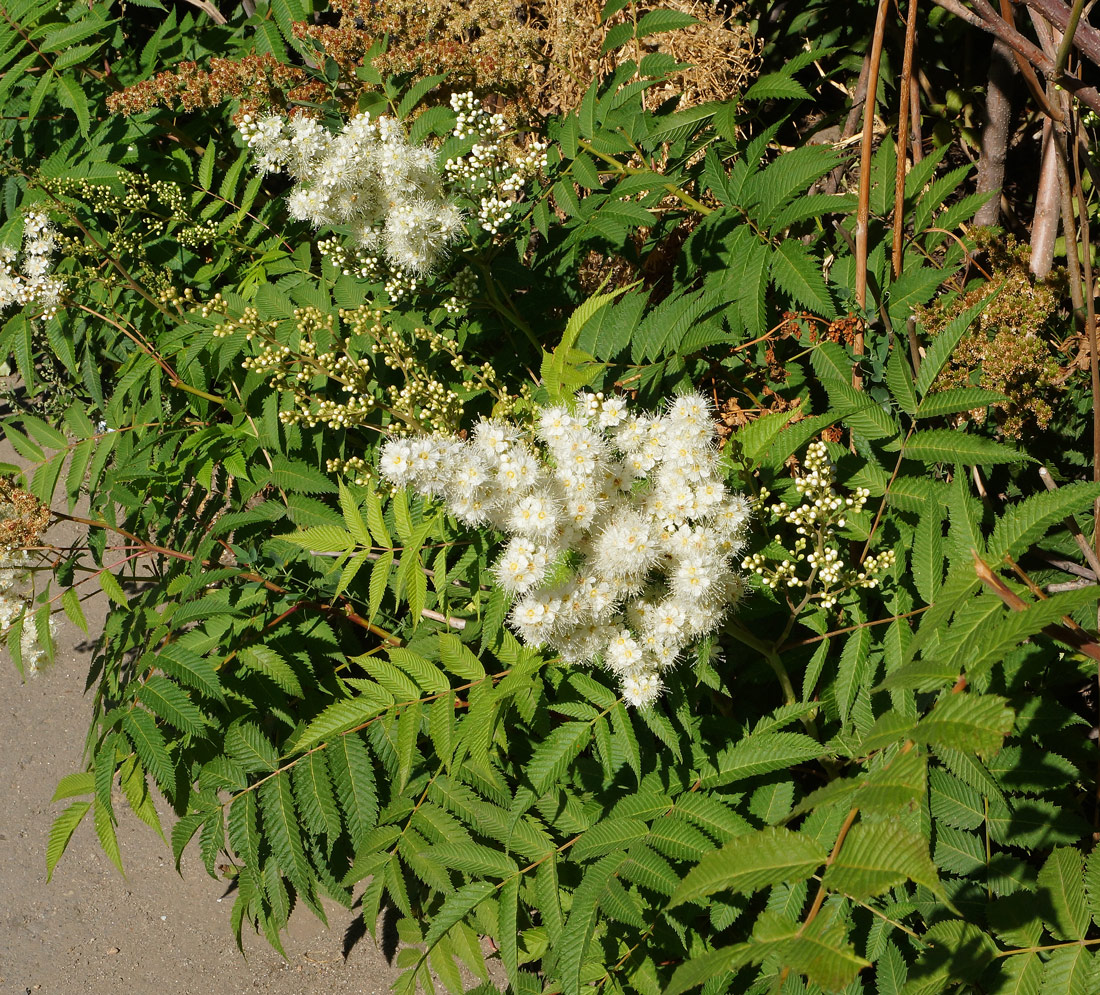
x,y
456,907
800,276
170,702
245,743
355,784
316,801
577,934
663,19
280,823
555,753
1070,971
473,858
944,344
969,722
610,834
760,754
876,857
264,660
61,832
944,445
819,951
295,475
150,746
949,402
340,716
713,964
1062,890
189,668
751,862
1025,522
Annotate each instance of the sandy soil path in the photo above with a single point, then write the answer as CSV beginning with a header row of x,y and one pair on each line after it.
x,y
92,931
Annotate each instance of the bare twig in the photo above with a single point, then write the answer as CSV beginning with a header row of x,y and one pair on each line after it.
x,y
1066,566
1069,585
1069,227
914,110
1061,60
1027,71
1086,38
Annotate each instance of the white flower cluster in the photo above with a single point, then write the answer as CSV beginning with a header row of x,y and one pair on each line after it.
x,y
14,571
622,529
492,173
816,520
34,285
367,177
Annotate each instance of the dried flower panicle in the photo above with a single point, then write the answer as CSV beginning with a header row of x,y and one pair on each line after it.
x,y
622,531
260,80
32,282
816,563
1012,348
23,519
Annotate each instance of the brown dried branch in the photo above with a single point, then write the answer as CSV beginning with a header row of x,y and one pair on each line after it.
x,y
863,212
1069,633
896,255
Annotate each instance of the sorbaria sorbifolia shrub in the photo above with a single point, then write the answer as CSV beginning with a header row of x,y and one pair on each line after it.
x,y
432,588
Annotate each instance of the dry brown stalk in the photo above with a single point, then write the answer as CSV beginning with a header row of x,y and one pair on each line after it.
x,y
864,210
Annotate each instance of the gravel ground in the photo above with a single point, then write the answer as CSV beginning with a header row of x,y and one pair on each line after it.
x,y
91,931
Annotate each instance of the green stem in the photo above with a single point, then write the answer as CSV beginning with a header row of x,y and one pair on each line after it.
x,y
672,188
506,311
1067,40
768,652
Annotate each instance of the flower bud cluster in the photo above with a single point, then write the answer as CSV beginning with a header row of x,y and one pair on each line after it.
x,y
367,177
494,172
352,261
354,467
34,285
466,286
622,530
816,558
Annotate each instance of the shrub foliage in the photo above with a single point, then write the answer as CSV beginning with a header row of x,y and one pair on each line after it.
x,y
874,777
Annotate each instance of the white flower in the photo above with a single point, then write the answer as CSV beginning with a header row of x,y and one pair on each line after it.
x,y
554,422
535,516
626,546
493,438
518,471
623,654
397,464
641,689
534,617
521,567
612,411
